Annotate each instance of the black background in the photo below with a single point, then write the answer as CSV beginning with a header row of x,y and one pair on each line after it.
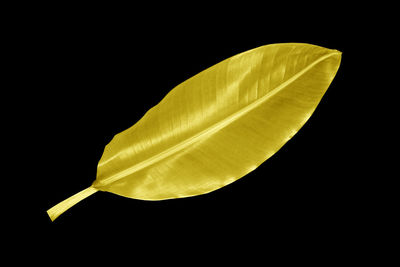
x,y
91,73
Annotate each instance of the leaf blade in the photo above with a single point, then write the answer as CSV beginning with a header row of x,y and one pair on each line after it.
x,y
179,149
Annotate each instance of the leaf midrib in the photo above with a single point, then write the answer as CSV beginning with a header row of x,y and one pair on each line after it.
x,y
212,129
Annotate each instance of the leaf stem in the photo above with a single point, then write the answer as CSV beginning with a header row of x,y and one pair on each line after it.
x,y
61,207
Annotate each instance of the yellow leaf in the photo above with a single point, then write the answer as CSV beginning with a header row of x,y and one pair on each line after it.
x,y
217,126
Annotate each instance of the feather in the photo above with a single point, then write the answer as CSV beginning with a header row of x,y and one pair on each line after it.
x,y
217,126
